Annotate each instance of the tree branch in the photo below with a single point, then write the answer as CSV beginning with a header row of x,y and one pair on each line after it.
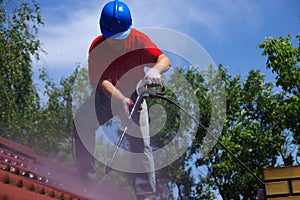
x,y
6,3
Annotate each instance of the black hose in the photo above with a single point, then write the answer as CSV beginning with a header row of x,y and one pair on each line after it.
x,y
154,95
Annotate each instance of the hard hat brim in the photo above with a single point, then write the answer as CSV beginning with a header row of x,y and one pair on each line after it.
x,y
118,36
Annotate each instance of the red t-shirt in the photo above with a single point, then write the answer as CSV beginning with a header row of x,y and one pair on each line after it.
x,y
122,68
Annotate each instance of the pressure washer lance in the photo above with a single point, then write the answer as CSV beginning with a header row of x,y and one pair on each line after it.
x,y
144,92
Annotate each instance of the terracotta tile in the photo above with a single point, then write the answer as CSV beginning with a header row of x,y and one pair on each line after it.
x,y
3,177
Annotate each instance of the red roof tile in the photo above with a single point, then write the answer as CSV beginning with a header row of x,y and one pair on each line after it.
x,y
25,174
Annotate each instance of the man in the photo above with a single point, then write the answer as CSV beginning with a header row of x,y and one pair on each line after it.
x,y
116,64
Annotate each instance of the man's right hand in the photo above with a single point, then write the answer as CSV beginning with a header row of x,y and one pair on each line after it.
x,y
127,103
128,106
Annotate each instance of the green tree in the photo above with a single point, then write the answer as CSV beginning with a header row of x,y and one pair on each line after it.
x,y
252,131
18,44
46,127
52,133
283,58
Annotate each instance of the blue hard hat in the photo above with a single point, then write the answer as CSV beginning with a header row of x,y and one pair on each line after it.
x,y
115,20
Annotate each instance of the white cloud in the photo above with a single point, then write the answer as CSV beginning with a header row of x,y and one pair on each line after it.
x,y
67,42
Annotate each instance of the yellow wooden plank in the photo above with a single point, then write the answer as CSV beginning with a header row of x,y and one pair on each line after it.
x,y
296,186
282,173
285,198
276,188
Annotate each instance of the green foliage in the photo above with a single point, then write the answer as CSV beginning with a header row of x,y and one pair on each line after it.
x,y
251,132
54,135
18,44
284,60
23,117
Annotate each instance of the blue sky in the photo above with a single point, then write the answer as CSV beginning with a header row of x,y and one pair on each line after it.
x,y
229,30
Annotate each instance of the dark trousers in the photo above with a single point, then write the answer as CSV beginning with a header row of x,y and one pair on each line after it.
x,y
96,111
